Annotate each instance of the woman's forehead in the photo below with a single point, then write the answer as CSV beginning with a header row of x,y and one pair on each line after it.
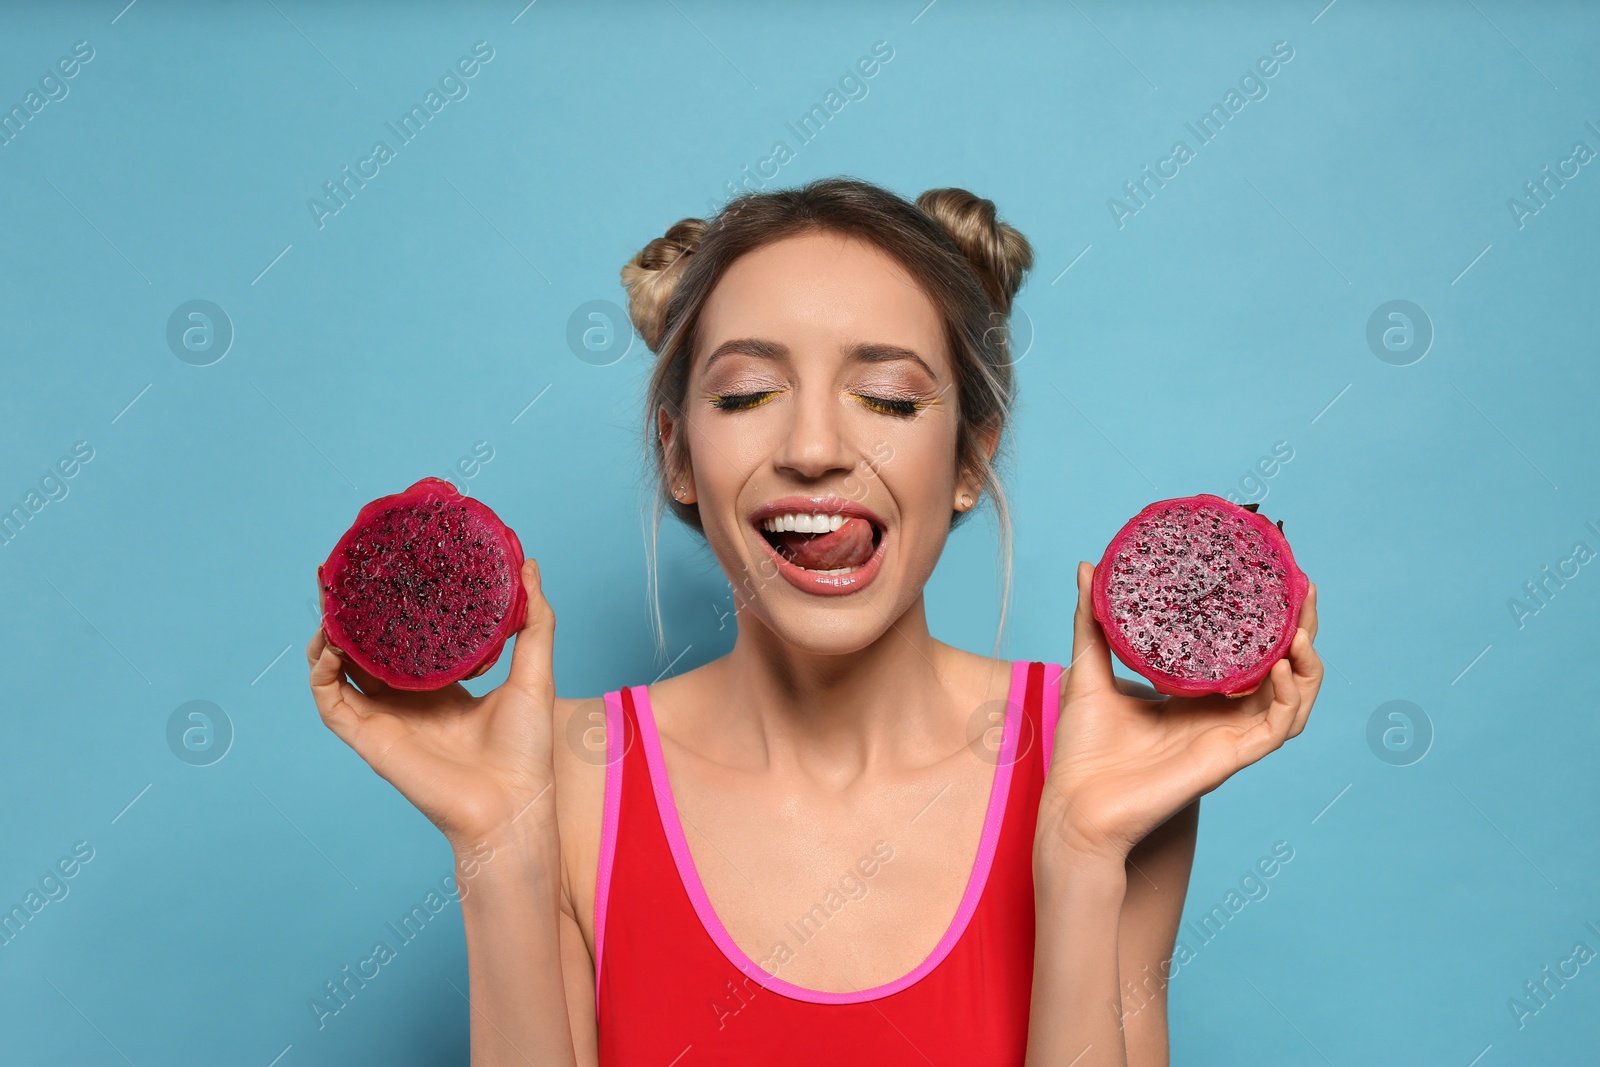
x,y
822,294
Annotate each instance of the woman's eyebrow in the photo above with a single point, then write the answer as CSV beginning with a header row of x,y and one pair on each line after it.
x,y
876,352
750,346
861,352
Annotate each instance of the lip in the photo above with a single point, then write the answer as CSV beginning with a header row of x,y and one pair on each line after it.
x,y
810,581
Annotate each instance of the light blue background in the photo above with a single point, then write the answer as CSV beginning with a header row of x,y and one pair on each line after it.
x,y
1225,316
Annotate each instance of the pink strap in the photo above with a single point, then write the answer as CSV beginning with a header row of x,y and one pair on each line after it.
x,y
615,730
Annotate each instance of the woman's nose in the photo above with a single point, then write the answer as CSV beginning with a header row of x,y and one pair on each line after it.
x,y
816,441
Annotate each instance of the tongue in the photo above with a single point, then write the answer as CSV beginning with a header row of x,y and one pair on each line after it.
x,y
848,546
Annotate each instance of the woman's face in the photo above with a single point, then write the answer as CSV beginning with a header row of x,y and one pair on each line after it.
x,y
821,385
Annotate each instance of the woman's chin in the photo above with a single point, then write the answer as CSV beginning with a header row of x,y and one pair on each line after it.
x,y
825,625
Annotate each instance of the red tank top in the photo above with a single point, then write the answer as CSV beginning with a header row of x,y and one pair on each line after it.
x,y
672,989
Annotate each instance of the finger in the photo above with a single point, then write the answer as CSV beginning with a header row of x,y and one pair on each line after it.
x,y
1286,700
1246,711
338,702
1307,667
531,671
358,674
1308,612
1272,730
1090,670
369,685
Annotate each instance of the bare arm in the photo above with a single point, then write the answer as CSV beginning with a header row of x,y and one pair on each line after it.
x,y
1122,924
481,770
1158,881
517,996
577,968
1115,838
1078,903
512,909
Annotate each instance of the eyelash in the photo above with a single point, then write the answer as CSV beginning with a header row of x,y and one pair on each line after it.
x,y
893,406
882,405
743,402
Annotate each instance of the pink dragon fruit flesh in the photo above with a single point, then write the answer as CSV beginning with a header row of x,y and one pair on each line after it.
x,y
1199,595
425,588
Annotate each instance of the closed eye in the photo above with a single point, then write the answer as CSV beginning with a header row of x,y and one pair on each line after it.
x,y
742,401
895,406
883,405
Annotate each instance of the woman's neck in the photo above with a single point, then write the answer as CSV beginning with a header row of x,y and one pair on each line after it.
x,y
901,699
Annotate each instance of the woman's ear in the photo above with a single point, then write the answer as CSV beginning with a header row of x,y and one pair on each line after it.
x,y
680,485
969,485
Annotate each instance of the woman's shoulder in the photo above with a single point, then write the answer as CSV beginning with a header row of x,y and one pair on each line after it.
x,y
970,670
992,663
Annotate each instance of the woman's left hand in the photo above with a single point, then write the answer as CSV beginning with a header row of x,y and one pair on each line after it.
x,y
1124,763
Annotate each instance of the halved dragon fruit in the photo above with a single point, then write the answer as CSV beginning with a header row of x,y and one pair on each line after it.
x,y
425,588
1199,595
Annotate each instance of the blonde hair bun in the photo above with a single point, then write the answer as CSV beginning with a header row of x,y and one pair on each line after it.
x,y
997,251
651,276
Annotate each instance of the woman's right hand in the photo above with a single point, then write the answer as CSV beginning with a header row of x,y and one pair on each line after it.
x,y
472,765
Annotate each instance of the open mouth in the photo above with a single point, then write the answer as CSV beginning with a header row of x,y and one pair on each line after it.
x,y
828,544
823,544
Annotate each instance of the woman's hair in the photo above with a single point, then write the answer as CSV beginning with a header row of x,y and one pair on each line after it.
x,y
968,262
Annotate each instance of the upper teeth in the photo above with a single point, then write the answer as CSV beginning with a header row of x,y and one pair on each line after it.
x,y
818,523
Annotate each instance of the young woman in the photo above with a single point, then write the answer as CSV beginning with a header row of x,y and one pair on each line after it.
x,y
844,838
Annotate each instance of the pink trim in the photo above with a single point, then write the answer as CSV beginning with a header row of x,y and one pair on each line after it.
x,y
1051,712
615,730
994,817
